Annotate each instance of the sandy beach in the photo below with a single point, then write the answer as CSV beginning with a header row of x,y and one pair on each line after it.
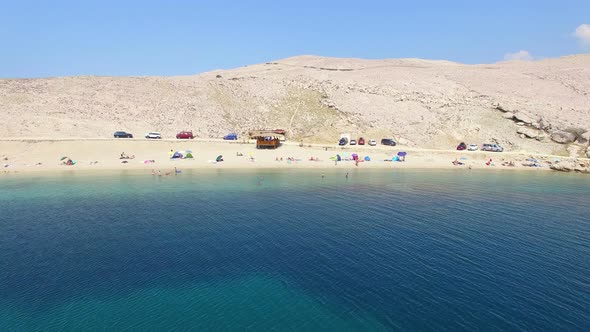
x,y
35,155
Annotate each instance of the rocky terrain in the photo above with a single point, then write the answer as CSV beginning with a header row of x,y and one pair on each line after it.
x,y
535,106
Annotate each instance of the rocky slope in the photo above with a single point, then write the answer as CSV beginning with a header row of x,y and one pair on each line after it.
x,y
541,106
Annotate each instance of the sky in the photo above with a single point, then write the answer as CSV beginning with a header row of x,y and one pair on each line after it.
x,y
136,38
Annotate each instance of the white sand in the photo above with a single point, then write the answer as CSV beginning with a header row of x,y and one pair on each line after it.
x,y
44,155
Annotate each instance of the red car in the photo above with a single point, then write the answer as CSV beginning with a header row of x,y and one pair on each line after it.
x,y
361,141
185,135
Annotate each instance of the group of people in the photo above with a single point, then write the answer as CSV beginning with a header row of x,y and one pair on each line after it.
x,y
126,156
292,159
175,172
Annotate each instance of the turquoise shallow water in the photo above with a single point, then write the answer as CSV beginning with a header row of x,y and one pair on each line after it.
x,y
290,250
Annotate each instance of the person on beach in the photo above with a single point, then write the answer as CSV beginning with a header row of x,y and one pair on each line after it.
x,y
175,171
159,173
153,172
346,176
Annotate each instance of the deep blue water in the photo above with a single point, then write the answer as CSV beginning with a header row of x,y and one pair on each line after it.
x,y
290,250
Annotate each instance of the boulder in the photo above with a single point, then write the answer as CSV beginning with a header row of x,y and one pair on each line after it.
x,y
584,138
530,132
542,124
501,108
563,137
582,169
523,117
563,167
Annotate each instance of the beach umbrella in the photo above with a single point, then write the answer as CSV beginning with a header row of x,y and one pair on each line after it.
x,y
219,158
63,158
355,156
338,158
367,158
402,153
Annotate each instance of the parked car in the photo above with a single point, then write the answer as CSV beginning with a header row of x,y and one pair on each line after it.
x,y
122,134
343,141
153,135
372,142
388,141
473,147
361,141
492,147
352,142
279,131
185,135
231,137
461,146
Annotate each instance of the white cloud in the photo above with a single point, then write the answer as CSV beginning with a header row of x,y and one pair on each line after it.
x,y
583,33
521,55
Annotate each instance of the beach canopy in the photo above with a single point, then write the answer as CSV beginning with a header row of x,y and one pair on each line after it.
x,y
402,153
176,155
67,161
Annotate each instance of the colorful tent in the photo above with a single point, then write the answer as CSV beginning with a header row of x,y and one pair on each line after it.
x,y
176,155
67,161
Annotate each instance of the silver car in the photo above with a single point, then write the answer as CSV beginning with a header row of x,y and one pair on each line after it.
x,y
492,147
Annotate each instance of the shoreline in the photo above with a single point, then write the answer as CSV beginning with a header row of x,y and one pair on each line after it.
x,y
28,155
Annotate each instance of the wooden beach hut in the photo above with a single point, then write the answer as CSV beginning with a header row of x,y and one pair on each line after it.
x,y
267,139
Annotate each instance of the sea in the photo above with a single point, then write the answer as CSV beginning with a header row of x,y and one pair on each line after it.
x,y
295,250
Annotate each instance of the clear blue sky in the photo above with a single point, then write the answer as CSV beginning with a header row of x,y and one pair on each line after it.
x,y
57,38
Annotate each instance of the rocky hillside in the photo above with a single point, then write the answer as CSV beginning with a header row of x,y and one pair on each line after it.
x,y
541,106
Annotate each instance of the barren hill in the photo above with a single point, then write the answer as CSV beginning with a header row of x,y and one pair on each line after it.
x,y
525,106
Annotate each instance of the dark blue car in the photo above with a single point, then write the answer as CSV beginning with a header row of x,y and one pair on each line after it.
x,y
231,137
122,134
